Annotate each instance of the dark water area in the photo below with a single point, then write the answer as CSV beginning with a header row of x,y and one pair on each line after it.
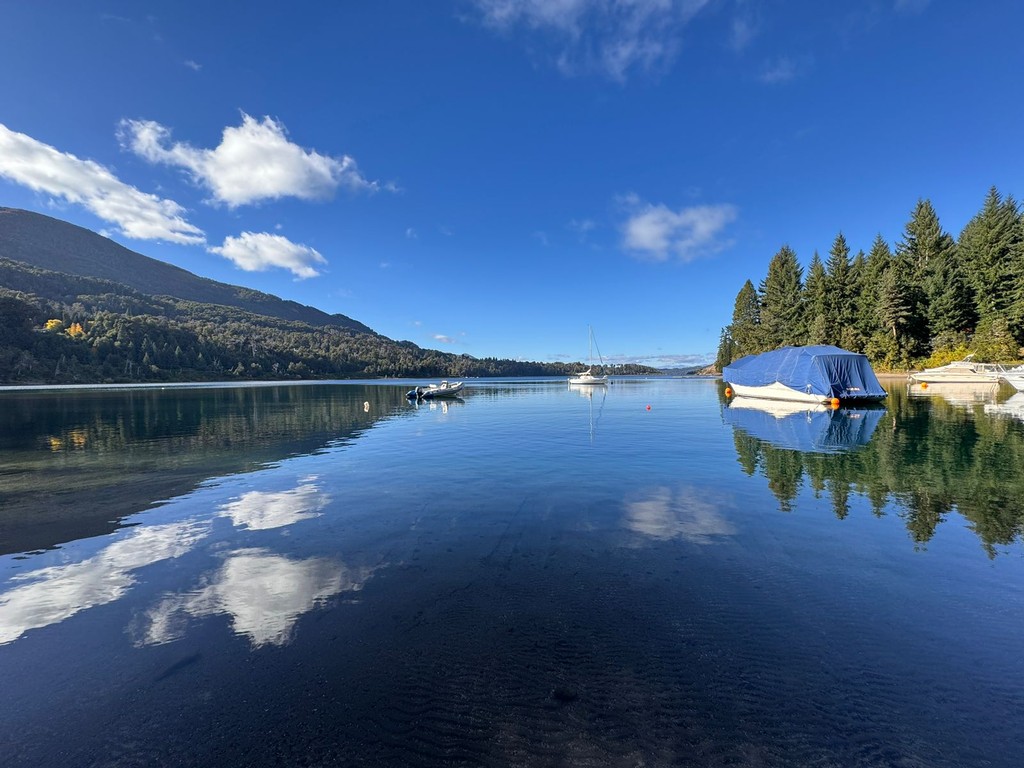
x,y
534,574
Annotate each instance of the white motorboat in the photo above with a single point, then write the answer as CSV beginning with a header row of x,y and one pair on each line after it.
x,y
964,371
444,389
588,377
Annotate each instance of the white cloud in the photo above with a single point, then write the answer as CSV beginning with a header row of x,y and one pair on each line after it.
x,y
254,161
608,36
443,339
136,214
410,234
657,232
193,65
260,251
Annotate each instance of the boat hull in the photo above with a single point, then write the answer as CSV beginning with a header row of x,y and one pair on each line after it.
x,y
779,391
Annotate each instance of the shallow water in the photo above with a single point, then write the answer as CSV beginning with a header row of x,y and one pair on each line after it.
x,y
531,575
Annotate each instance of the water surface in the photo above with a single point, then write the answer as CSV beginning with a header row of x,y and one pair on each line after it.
x,y
534,574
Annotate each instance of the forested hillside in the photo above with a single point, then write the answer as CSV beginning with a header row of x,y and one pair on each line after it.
x,y
60,327
929,300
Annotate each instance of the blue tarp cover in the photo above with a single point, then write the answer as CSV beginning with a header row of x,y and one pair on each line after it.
x,y
819,370
809,431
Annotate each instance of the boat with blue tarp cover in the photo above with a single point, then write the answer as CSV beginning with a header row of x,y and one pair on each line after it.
x,y
812,374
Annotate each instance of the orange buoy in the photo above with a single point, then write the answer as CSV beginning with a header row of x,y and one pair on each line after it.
x,y
648,407
834,402
924,385
728,392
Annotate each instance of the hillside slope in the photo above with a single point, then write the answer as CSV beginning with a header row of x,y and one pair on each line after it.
x,y
58,246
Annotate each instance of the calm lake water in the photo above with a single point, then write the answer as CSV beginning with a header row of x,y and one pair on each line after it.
x,y
534,575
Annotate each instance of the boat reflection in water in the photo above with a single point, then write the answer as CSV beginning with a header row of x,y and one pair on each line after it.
x,y
1013,406
588,391
805,427
957,393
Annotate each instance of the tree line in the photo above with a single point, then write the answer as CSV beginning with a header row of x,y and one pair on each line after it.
x,y
59,328
929,300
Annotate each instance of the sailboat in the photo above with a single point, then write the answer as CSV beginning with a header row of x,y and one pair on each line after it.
x,y
588,377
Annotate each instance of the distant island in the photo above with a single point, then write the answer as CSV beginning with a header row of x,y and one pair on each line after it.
x,y
77,308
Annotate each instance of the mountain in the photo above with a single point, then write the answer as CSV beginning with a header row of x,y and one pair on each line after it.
x,y
59,246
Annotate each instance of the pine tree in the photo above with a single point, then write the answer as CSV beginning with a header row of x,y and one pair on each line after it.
x,y
878,260
746,322
839,309
992,249
814,302
782,321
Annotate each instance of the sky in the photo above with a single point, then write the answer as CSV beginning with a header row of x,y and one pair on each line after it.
x,y
491,177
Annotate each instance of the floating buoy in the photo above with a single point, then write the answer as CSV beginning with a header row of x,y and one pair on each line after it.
x,y
924,385
728,392
834,402
648,407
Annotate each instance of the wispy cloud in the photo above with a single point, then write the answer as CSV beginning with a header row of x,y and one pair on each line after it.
x,y
193,65
136,214
612,37
254,161
780,70
660,233
410,234
260,251
744,27
444,339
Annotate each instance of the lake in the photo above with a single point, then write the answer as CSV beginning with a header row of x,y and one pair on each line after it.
x,y
643,574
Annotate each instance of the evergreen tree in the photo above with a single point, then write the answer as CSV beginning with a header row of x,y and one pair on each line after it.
x,y
746,322
814,302
877,262
782,321
725,349
839,292
992,249
923,240
896,311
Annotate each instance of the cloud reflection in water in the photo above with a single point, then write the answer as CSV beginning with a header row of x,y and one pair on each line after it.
x,y
263,593
58,592
262,510
683,515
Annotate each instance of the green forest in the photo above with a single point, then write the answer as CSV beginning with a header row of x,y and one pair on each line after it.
x,y
930,299
58,328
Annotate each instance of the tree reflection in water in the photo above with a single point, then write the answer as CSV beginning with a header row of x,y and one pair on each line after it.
x,y
927,457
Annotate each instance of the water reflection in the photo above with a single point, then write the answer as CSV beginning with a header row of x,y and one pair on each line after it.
x,y
957,393
665,514
591,392
927,458
263,593
260,510
76,463
804,427
1013,406
50,595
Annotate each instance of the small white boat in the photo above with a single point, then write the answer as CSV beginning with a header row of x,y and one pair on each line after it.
x,y
444,389
964,371
588,377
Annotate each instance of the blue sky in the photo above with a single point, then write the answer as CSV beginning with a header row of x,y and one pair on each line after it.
x,y
490,176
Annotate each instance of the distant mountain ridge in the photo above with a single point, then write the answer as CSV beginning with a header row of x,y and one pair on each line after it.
x,y
59,246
